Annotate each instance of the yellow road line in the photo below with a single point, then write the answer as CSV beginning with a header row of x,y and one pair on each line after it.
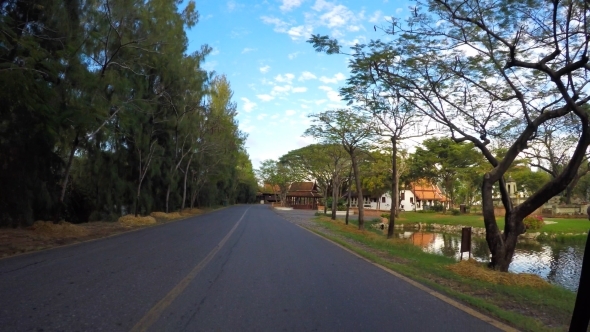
x,y
156,311
446,299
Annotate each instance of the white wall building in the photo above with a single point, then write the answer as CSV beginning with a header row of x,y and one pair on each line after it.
x,y
374,203
421,194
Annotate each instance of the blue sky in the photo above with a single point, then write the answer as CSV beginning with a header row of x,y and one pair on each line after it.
x,y
277,78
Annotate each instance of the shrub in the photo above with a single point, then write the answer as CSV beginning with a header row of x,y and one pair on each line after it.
x,y
376,220
455,212
437,208
341,205
533,222
385,215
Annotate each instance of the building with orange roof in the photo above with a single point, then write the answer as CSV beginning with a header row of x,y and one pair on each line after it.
x,y
421,195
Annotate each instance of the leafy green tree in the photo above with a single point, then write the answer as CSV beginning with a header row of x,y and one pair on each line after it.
x,y
104,113
442,161
281,174
325,163
492,71
352,131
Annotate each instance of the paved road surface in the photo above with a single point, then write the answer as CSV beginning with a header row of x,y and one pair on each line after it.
x,y
267,275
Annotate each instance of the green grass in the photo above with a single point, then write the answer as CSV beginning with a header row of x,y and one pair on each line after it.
x,y
563,225
567,225
526,308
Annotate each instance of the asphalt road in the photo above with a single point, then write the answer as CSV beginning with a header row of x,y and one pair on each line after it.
x,y
207,274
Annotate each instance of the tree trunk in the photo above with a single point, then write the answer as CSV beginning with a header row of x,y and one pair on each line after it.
x,y
136,201
501,245
167,197
334,199
359,191
348,198
188,164
392,213
326,200
66,178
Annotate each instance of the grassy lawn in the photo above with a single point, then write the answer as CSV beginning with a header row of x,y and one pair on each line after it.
x,y
528,307
446,219
562,225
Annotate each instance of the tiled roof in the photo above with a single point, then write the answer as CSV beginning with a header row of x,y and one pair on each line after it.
x,y
269,189
303,189
424,190
302,186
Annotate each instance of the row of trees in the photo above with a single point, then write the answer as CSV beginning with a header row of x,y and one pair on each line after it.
x,y
506,74
103,112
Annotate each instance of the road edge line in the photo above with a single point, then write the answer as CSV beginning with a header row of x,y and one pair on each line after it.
x,y
440,296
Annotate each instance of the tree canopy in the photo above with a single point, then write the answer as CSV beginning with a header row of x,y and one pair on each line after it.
x,y
104,112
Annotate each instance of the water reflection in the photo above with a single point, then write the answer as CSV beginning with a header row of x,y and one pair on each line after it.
x,y
560,264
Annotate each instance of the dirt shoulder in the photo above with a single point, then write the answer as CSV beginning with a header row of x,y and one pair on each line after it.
x,y
45,236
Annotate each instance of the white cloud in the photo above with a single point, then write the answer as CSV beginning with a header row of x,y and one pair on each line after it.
x,y
330,93
261,116
307,76
293,55
280,26
287,78
327,80
214,51
278,89
232,5
321,5
399,10
299,89
290,112
376,17
335,15
264,69
247,50
265,97
276,116
299,32
248,105
290,4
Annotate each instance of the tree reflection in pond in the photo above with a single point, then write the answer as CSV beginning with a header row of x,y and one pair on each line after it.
x,y
558,263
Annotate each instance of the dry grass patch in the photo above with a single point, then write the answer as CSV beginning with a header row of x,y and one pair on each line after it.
x,y
166,216
62,229
190,212
472,269
132,220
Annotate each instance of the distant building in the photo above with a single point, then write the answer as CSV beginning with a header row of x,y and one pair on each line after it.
x,y
371,202
301,195
421,195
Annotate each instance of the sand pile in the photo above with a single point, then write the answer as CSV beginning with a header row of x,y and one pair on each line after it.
x,y
131,220
62,229
475,270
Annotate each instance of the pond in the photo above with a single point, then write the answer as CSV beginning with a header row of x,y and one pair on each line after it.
x,y
558,263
